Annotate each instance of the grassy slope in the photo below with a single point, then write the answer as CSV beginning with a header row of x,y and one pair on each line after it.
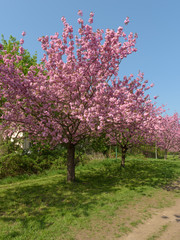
x,y
46,207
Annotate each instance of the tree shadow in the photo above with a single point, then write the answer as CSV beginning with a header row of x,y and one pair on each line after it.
x,y
34,203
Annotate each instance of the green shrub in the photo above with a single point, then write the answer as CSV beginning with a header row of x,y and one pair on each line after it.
x,y
15,164
14,161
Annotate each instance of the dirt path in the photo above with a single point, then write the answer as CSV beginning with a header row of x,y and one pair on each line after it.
x,y
165,225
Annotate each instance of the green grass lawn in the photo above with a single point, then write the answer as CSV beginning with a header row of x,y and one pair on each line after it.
x,y
46,207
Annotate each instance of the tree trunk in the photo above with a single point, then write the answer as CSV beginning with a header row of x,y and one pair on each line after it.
x,y
71,163
106,153
156,153
124,150
116,153
165,154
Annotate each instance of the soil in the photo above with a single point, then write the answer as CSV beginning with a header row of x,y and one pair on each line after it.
x,y
154,220
164,225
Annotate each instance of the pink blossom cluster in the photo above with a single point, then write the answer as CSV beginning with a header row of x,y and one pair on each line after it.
x,y
168,133
126,21
128,116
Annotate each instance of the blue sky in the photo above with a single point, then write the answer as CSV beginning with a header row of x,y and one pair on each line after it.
x,y
157,23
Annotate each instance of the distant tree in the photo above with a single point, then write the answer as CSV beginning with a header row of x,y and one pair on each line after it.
x,y
129,115
168,133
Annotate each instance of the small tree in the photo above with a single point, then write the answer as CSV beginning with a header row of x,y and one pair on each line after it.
x,y
130,116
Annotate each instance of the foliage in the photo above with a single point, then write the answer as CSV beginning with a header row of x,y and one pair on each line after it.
x,y
149,151
12,47
7,146
90,145
14,164
100,144
15,161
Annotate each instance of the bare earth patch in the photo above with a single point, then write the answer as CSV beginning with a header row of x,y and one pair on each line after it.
x,y
148,219
165,225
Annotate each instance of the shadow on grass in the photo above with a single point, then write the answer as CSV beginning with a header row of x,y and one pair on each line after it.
x,y
36,203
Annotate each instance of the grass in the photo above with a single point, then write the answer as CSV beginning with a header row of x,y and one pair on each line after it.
x,y
46,207
136,223
159,233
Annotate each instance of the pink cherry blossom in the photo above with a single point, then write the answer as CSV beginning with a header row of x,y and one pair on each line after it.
x,y
21,41
129,116
168,133
90,20
80,13
23,33
126,21
21,50
91,14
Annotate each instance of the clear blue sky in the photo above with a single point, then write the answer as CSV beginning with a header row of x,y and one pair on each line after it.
x,y
157,23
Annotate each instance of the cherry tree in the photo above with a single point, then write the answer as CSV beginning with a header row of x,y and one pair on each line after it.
x,y
56,101
168,133
130,116
177,147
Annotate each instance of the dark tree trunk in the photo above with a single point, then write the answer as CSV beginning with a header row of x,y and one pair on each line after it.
x,y
106,153
165,154
71,163
123,157
156,152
